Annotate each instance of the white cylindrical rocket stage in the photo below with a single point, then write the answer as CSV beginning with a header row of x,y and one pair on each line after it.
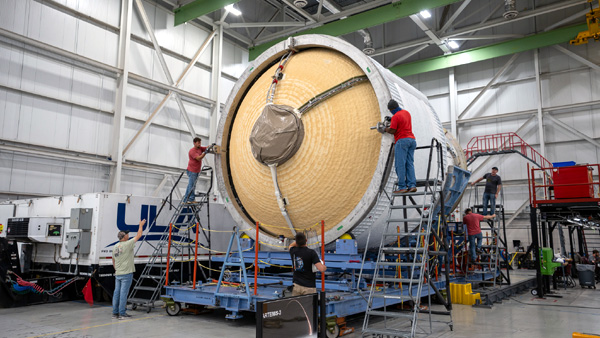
x,y
296,144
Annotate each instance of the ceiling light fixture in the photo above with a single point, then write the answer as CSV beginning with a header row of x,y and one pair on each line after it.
x,y
233,10
425,14
452,44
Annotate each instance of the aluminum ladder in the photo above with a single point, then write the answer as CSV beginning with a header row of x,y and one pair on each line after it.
x,y
410,258
175,245
492,246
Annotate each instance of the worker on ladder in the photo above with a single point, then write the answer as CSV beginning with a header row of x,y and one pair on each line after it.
x,y
404,148
195,155
472,220
493,185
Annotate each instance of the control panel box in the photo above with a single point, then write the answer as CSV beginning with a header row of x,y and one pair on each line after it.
x,y
81,218
79,242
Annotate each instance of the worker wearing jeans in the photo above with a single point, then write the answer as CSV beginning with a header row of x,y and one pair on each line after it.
x,y
493,185
195,156
404,148
472,220
122,259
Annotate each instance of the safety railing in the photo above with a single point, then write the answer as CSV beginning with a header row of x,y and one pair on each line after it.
x,y
504,143
542,186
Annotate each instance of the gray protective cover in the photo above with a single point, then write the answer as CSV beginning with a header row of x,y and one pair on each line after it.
x,y
276,135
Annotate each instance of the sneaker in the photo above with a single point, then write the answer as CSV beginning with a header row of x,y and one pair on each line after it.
x,y
125,316
479,251
413,189
401,191
115,316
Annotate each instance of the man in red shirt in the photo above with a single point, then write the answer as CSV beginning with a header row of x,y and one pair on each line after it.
x,y
404,148
474,231
196,154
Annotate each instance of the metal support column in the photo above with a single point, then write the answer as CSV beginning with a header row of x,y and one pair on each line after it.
x,y
536,59
215,82
121,95
535,247
453,99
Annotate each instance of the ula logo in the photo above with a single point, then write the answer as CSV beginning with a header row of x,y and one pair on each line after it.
x,y
156,231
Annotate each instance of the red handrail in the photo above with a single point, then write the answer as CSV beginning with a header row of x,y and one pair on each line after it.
x,y
323,254
256,258
504,141
548,183
196,255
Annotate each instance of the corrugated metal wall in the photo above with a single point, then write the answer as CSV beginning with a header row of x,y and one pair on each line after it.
x,y
51,105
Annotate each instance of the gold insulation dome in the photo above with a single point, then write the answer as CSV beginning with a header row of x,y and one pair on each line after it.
x,y
329,174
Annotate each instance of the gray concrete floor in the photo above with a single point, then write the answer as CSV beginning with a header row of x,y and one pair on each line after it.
x,y
522,316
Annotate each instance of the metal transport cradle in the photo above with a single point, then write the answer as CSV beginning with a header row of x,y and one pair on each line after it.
x,y
348,278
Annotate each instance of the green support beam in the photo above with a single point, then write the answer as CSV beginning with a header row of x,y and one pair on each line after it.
x,y
363,20
199,8
545,39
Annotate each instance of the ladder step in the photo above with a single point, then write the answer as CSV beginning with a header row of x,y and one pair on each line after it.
x,y
387,333
398,263
418,193
379,295
438,253
402,234
397,280
407,220
389,314
403,250
139,301
145,288
232,264
405,206
422,183
151,276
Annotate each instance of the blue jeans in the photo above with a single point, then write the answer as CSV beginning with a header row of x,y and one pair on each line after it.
x,y
190,194
122,284
404,155
472,238
489,198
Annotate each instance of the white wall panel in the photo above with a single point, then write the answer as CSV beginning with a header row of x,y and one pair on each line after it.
x,y
194,37
6,160
198,82
10,103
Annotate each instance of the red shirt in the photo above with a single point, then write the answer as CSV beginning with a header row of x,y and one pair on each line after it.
x,y
472,221
193,164
402,122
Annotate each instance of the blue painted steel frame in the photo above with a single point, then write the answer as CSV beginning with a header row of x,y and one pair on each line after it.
x,y
339,303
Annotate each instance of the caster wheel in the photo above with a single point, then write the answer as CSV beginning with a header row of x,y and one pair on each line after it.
x,y
173,309
534,292
334,332
582,286
133,306
149,309
451,327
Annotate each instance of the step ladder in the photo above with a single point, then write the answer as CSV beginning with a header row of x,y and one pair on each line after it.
x,y
235,258
493,246
409,259
175,245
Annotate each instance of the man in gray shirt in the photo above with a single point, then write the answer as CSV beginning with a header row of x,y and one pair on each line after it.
x,y
493,185
124,268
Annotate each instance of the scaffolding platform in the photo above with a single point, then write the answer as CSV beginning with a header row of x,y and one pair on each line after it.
x,y
340,303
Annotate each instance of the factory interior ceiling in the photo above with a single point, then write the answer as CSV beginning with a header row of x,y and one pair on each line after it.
x,y
407,36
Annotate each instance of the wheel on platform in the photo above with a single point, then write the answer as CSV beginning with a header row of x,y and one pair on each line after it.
x,y
173,309
134,306
451,327
333,332
149,309
534,292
